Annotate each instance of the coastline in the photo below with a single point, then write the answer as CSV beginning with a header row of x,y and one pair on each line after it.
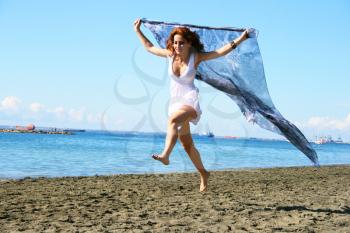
x,y
303,199
34,131
193,171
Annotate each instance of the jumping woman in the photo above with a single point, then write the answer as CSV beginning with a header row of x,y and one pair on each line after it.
x,y
184,51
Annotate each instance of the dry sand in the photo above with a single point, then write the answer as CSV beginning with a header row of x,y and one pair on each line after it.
x,y
259,200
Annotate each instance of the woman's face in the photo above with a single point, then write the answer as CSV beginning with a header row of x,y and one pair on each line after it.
x,y
180,44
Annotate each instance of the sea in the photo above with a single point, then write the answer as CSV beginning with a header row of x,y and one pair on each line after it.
x,y
94,153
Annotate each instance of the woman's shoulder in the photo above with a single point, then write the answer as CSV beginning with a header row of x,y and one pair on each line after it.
x,y
198,53
196,56
195,53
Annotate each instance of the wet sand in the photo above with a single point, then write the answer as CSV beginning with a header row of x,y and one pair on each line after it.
x,y
259,200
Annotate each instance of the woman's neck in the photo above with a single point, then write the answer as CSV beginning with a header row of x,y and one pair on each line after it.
x,y
184,56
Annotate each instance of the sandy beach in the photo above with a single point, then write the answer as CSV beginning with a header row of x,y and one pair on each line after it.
x,y
258,200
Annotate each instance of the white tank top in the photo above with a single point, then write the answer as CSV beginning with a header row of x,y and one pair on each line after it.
x,y
179,85
182,89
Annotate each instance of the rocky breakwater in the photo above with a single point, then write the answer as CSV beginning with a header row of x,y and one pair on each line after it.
x,y
34,131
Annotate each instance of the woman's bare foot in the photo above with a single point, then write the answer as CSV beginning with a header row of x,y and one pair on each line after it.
x,y
163,159
204,181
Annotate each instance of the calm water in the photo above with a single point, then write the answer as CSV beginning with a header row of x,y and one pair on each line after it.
x,y
104,153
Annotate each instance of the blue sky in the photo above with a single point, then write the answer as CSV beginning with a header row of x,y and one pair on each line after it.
x,y
66,64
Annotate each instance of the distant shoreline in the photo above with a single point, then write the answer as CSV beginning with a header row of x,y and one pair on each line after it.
x,y
34,131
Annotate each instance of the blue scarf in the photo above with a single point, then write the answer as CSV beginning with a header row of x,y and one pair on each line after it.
x,y
240,75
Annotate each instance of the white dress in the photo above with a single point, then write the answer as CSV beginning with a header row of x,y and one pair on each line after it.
x,y
182,89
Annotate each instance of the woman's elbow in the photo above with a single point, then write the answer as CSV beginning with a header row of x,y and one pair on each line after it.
x,y
149,48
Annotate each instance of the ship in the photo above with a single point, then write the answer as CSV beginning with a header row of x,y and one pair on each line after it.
x,y
327,139
207,134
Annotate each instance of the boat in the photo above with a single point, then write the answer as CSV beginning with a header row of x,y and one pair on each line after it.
x,y
339,140
29,127
210,134
207,134
326,140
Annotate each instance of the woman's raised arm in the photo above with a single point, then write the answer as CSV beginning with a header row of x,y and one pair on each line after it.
x,y
148,44
223,50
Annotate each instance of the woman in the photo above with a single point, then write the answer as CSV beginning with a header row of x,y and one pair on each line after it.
x,y
185,52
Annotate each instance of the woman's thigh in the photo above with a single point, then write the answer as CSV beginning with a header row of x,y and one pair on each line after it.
x,y
184,114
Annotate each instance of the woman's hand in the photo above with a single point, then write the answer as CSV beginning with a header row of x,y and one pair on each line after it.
x,y
245,34
240,39
137,25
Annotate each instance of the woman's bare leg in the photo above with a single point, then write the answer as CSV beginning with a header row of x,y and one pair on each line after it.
x,y
175,120
187,142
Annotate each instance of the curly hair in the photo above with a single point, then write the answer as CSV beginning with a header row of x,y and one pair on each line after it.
x,y
190,36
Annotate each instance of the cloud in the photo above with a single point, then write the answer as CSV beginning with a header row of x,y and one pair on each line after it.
x,y
77,114
36,107
10,103
59,112
37,112
329,123
93,118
